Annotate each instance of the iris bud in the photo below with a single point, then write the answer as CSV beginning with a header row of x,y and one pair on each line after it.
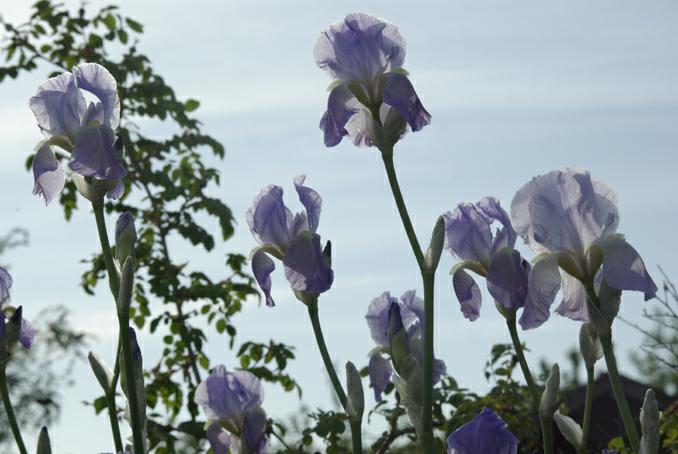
x,y
44,445
435,248
589,344
125,237
569,428
649,424
549,399
356,397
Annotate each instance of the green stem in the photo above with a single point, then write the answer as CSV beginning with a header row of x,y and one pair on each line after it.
x,y
113,416
128,369
518,346
587,410
618,391
10,411
113,275
356,435
547,434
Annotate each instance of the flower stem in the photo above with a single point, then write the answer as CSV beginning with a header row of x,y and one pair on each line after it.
x,y
113,416
356,435
618,391
518,346
428,282
587,410
113,275
128,369
547,434
10,411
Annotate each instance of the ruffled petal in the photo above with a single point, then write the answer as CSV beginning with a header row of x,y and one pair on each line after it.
x,y
311,200
399,93
306,267
624,269
94,154
48,174
467,233
269,218
341,106
262,267
361,47
506,236
377,318
542,287
254,430
96,79
487,433
26,333
5,285
415,304
380,371
468,294
117,191
574,299
59,107
219,439
507,278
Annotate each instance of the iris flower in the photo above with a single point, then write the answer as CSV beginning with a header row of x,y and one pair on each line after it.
x,y
5,285
570,220
487,433
469,236
291,239
371,99
26,333
86,131
232,401
412,321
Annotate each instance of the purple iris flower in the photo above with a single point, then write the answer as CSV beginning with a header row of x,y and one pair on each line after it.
x,y
487,433
469,236
5,285
365,54
571,220
86,131
291,239
232,401
26,333
411,310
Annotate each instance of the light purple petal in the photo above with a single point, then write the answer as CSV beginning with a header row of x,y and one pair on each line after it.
x,y
306,267
117,191
467,233
564,211
399,93
624,269
415,304
341,106
377,318
59,107
262,267
380,372
94,154
254,430
48,174
487,433
5,285
507,278
574,299
311,200
506,236
219,439
361,47
27,333
543,285
357,129
269,218
468,294
96,79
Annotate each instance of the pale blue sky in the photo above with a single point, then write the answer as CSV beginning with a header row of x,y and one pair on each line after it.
x,y
515,89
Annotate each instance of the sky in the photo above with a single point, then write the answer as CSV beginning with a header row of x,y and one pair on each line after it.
x,y
515,89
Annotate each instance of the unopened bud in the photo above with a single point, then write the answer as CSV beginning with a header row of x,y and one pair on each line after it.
x,y
549,399
589,344
435,247
125,237
44,445
355,395
569,428
649,425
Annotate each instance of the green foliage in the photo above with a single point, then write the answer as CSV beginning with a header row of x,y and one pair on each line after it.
x,y
171,182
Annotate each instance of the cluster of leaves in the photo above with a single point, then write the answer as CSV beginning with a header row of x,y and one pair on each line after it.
x,y
170,183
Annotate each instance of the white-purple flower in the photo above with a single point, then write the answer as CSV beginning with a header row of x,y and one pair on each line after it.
x,y
371,95
487,433
232,401
469,236
411,320
5,285
86,131
26,330
291,239
571,220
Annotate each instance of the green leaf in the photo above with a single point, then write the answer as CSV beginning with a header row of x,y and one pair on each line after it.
x,y
191,105
134,25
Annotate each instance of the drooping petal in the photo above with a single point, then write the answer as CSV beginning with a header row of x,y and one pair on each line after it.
x,y
487,433
341,106
506,236
415,304
542,287
27,333
467,233
218,438
59,107
377,318
94,154
269,218
574,299
311,200
361,47
357,129
399,93
5,285
116,192
507,278
306,267
254,430
468,294
96,79
564,211
380,372
48,174
262,267
623,268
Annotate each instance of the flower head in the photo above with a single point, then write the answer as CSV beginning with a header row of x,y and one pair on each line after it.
x,y
290,238
232,400
485,434
372,100
86,131
5,285
15,329
571,220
